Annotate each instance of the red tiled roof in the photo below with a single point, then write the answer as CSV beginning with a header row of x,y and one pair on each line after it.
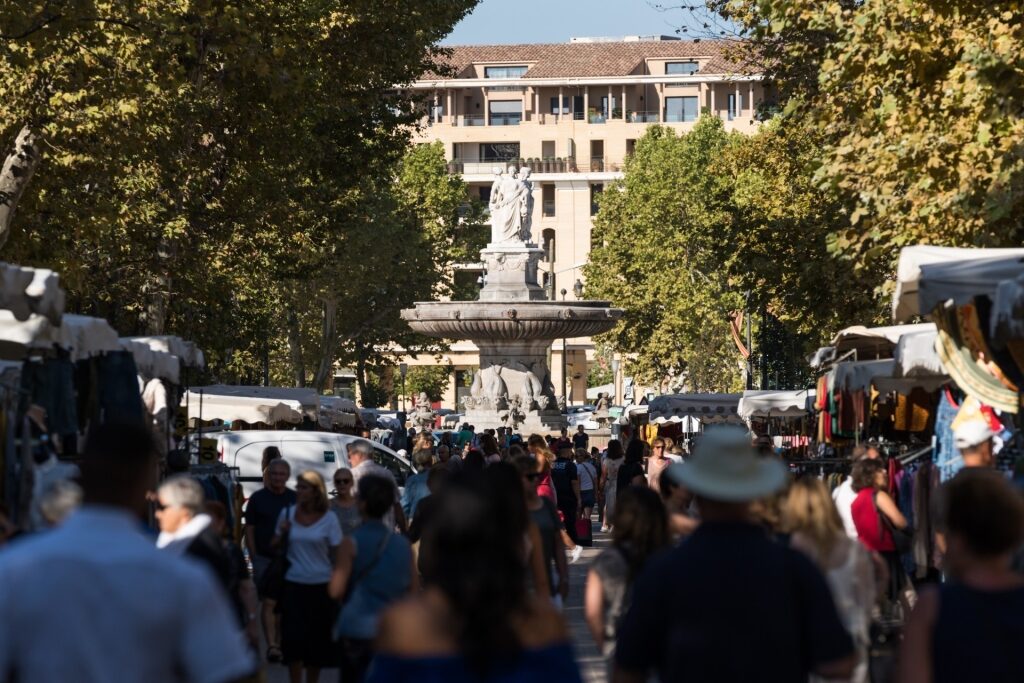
x,y
569,60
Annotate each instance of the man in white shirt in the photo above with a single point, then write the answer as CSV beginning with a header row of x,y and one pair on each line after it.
x,y
360,459
844,495
95,600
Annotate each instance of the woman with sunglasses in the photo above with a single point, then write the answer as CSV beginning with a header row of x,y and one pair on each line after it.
x,y
544,516
344,504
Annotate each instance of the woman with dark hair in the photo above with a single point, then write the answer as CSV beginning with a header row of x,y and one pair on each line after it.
x,y
640,529
613,459
489,446
678,502
474,462
374,568
548,547
632,471
875,515
970,628
476,621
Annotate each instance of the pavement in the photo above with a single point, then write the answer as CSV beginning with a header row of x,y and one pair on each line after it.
x,y
591,663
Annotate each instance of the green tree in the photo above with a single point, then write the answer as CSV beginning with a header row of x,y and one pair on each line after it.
x,y
918,103
433,380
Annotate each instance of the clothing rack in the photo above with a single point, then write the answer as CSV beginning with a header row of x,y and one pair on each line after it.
x,y
907,458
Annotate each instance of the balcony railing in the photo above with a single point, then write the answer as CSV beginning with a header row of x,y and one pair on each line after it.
x,y
596,163
506,119
643,117
549,208
472,120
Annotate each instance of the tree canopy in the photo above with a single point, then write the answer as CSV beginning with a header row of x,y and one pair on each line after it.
x,y
233,173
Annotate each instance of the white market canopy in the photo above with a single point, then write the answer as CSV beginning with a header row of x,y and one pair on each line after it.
x,y
81,336
916,356
906,303
304,402
153,363
190,354
776,403
878,342
961,281
27,291
238,408
703,406
882,374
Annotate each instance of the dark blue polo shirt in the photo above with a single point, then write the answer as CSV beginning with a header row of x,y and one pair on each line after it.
x,y
731,605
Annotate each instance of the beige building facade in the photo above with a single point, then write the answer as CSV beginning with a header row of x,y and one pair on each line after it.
x,y
572,113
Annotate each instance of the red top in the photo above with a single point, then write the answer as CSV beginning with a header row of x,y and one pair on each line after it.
x,y
870,530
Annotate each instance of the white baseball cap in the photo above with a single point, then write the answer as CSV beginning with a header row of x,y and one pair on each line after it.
x,y
972,433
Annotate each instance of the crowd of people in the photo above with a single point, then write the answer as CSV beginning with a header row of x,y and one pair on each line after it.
x,y
721,566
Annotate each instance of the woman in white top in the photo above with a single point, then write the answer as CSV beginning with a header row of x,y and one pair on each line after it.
x,y
312,535
613,459
811,517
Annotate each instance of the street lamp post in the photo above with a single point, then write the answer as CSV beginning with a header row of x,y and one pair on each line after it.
x,y
403,369
616,364
565,373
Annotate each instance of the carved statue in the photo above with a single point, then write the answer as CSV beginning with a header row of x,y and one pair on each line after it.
x,y
514,417
496,390
602,403
476,390
540,378
561,403
423,416
511,207
527,393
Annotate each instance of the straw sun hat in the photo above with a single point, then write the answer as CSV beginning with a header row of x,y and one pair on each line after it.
x,y
726,468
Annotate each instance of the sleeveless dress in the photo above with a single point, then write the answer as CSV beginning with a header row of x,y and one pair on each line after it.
x,y
611,487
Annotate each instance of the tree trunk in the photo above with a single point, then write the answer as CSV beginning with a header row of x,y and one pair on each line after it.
x,y
295,346
159,299
361,373
17,171
328,343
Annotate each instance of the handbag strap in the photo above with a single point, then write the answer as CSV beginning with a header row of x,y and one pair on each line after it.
x,y
373,562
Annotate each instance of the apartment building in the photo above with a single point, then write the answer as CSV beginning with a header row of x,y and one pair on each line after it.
x,y
572,112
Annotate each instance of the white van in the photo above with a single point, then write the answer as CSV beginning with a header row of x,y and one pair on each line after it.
x,y
324,452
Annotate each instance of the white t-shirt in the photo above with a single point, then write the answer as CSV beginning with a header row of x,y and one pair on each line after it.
x,y
843,496
588,480
309,547
94,601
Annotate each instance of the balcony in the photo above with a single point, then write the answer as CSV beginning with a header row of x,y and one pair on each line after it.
x,y
596,164
643,117
506,119
471,121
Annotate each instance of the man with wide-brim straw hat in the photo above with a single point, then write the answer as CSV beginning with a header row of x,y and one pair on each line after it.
x,y
729,603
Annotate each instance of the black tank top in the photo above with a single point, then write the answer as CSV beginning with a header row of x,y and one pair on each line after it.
x,y
979,635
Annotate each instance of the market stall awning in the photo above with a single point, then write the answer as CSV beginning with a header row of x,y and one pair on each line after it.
x,y
687,423
152,362
305,401
80,335
874,342
916,356
248,409
191,355
25,291
905,303
698,405
858,375
776,403
962,281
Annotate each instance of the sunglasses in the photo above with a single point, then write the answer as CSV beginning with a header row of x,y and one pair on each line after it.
x,y
339,482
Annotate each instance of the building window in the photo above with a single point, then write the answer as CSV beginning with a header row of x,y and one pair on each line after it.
x,y
504,71
548,191
681,68
499,151
630,147
735,106
680,109
485,194
595,191
548,239
565,105
505,112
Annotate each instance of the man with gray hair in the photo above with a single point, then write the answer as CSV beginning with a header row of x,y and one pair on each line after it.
x,y
360,459
185,528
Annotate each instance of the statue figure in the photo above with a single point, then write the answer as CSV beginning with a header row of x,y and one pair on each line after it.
x,y
539,376
602,403
514,416
561,403
476,390
496,389
423,416
511,207
525,200
527,393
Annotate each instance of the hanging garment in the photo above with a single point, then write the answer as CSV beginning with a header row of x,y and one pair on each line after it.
x,y
947,457
50,384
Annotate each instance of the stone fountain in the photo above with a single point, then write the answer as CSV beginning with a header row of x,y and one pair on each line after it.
x,y
513,323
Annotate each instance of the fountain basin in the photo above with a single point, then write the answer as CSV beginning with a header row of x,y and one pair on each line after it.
x,y
511,320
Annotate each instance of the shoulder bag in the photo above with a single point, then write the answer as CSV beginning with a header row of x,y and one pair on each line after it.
x,y
272,582
903,539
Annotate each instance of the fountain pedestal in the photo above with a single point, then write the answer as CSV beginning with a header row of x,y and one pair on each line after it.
x,y
513,325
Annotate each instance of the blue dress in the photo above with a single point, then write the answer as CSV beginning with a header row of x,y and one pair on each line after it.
x,y
552,664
